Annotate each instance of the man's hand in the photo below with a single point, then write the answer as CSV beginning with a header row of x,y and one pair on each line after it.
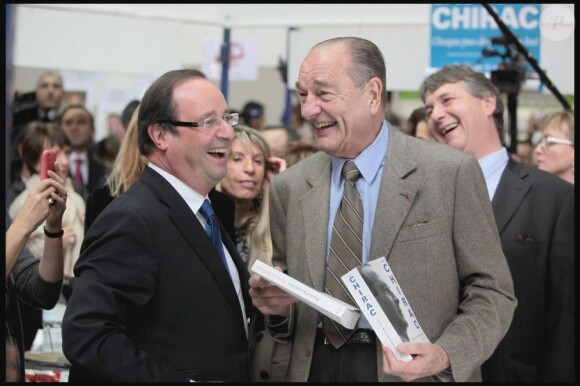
x,y
430,359
269,299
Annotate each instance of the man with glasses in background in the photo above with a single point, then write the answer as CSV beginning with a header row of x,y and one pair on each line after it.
x,y
156,297
534,212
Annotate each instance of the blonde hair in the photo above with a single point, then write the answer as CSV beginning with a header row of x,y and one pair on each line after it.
x,y
129,163
563,120
255,225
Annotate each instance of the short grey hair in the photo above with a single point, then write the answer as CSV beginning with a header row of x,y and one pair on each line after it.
x,y
475,83
367,62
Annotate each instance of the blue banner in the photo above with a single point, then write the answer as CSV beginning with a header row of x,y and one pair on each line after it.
x,y
467,34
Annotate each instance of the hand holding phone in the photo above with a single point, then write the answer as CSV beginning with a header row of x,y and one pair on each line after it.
x,y
47,162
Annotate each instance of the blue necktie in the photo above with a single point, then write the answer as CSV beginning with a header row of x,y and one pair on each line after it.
x,y
212,228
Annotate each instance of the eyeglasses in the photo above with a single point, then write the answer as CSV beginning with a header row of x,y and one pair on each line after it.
x,y
231,119
547,142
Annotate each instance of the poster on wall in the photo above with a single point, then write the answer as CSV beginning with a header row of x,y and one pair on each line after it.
x,y
467,34
243,59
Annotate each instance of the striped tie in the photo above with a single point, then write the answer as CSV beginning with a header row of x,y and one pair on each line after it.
x,y
345,250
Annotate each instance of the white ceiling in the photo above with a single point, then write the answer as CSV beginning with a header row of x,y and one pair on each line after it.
x,y
264,15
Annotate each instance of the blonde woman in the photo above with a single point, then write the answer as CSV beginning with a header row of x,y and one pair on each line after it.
x,y
555,150
126,169
250,168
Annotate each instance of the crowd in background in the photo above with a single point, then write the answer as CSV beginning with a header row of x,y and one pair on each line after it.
x,y
91,174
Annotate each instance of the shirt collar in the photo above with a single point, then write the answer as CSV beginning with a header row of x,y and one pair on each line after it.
x,y
493,161
78,155
193,199
366,160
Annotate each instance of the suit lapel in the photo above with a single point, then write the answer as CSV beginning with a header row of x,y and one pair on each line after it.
x,y
396,195
316,211
511,190
189,226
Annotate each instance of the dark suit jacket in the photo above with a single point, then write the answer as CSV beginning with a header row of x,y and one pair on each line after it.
x,y
151,300
223,206
534,211
96,202
97,175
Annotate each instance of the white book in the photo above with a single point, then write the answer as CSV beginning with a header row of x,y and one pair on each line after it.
x,y
335,309
382,301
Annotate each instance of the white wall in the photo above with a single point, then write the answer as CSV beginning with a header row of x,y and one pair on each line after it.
x,y
127,44
405,49
125,51
80,40
152,38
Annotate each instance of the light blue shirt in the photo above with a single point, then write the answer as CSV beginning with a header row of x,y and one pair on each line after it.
x,y
368,187
492,166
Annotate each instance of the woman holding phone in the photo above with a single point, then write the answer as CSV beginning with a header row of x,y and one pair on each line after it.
x,y
40,136
37,282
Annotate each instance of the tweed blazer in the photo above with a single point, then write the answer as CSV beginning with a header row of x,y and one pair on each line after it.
x,y
434,224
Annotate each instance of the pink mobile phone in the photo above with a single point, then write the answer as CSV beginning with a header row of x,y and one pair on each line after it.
x,y
47,163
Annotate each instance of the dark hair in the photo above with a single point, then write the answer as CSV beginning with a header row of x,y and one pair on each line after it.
x,y
158,104
251,110
367,62
81,107
475,83
106,149
128,112
37,136
416,116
